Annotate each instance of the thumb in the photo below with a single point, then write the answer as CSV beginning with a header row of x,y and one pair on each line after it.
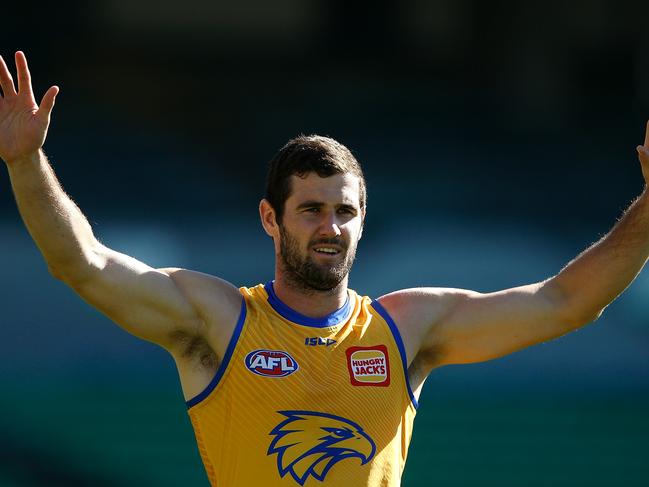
x,y
643,156
47,103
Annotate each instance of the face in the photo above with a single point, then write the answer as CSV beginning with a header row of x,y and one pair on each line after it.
x,y
317,237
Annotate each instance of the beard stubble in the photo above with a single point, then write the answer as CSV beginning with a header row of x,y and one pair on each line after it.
x,y
303,273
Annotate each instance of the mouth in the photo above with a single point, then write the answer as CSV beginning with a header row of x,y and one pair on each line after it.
x,y
327,250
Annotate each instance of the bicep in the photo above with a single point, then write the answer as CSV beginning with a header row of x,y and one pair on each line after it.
x,y
144,301
479,327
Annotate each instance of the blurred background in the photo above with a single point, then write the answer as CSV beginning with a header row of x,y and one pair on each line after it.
x,y
498,139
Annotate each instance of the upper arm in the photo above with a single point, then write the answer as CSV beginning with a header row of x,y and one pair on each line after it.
x,y
154,304
479,327
453,326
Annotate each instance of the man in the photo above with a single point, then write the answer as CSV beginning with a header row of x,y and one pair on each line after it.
x,y
301,381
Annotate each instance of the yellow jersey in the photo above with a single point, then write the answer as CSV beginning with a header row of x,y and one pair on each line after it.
x,y
299,401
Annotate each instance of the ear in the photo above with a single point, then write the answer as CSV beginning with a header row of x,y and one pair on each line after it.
x,y
268,219
360,233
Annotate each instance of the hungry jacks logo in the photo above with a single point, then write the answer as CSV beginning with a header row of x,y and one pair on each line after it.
x,y
369,366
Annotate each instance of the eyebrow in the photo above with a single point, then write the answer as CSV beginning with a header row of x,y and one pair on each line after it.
x,y
310,204
320,204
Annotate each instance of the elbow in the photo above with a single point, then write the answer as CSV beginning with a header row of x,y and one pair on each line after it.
x,y
568,308
56,272
76,271
69,275
593,316
579,317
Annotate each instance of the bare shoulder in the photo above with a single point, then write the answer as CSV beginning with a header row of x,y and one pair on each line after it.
x,y
199,351
217,301
416,311
204,289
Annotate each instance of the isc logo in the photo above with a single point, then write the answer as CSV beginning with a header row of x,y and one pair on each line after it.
x,y
315,341
271,363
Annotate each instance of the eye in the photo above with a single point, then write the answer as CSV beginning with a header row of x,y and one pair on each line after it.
x,y
312,210
339,432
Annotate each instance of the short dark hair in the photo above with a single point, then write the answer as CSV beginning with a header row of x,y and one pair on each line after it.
x,y
305,154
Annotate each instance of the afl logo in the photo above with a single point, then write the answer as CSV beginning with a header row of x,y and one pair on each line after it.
x,y
271,363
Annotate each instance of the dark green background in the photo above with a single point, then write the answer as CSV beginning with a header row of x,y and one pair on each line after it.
x,y
498,142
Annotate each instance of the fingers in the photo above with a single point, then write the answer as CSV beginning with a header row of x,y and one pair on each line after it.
x,y
24,78
47,103
6,81
646,137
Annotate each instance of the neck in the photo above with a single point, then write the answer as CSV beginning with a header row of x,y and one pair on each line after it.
x,y
310,302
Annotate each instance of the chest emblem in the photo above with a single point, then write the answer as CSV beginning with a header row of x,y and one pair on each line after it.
x,y
310,443
271,363
369,366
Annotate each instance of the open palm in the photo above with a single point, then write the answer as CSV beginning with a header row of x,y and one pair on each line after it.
x,y
23,124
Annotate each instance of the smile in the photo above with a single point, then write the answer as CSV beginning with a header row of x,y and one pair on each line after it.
x,y
326,250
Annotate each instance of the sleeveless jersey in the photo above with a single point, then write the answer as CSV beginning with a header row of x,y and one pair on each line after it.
x,y
298,401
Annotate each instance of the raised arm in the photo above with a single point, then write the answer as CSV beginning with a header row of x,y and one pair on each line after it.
x,y
159,305
445,326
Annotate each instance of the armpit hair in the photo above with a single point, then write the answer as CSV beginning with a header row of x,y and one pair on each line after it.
x,y
194,348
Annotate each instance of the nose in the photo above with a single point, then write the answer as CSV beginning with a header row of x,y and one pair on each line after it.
x,y
330,226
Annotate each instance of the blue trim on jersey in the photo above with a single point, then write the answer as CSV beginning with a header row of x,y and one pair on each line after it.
x,y
226,358
397,338
332,319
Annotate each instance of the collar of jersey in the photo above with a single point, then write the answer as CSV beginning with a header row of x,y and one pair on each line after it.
x,y
332,319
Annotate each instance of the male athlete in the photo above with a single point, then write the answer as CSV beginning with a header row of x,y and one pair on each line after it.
x,y
301,381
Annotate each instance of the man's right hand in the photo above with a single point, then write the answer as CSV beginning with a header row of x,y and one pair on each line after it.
x,y
23,124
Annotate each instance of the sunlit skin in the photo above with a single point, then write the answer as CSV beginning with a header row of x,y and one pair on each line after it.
x,y
320,212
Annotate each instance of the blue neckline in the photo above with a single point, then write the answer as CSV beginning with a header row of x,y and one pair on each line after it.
x,y
332,319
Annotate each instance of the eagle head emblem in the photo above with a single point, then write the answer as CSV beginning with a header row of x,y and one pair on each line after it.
x,y
309,443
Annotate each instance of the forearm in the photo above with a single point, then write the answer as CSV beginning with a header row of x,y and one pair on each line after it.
x,y
56,224
600,273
